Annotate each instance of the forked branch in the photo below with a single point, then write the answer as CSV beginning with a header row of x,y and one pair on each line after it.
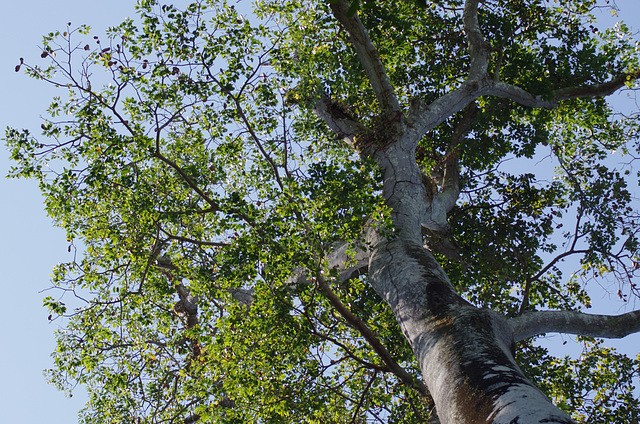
x,y
435,216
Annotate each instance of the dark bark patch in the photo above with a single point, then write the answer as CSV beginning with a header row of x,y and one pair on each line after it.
x,y
557,420
440,294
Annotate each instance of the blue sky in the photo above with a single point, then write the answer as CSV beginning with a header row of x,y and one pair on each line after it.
x,y
30,244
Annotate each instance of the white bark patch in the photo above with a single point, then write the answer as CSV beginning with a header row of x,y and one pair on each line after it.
x,y
524,404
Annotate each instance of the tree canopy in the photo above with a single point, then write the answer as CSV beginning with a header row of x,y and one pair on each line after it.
x,y
283,214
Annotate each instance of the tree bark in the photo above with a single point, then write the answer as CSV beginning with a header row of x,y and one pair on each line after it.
x,y
571,322
465,353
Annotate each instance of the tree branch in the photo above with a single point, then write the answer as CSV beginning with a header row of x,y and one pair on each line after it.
x,y
424,117
363,395
191,419
477,45
523,97
340,259
214,205
195,242
368,56
349,353
348,265
371,338
578,323
341,123
435,216
596,90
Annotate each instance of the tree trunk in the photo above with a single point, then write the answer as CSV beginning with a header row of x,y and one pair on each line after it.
x,y
465,353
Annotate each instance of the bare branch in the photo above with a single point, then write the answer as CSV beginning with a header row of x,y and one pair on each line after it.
x,y
368,56
523,97
363,395
477,45
557,259
571,322
423,117
349,352
596,90
435,216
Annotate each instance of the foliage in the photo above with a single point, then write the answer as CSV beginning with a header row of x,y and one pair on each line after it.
x,y
184,158
598,386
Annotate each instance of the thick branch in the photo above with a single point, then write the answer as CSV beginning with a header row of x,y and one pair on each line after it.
x,y
368,56
340,122
424,117
596,90
187,305
523,97
477,45
435,216
464,352
570,322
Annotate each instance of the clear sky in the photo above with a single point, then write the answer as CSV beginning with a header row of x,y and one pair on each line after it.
x,y
30,245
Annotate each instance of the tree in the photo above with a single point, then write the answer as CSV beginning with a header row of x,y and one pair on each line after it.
x,y
308,214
